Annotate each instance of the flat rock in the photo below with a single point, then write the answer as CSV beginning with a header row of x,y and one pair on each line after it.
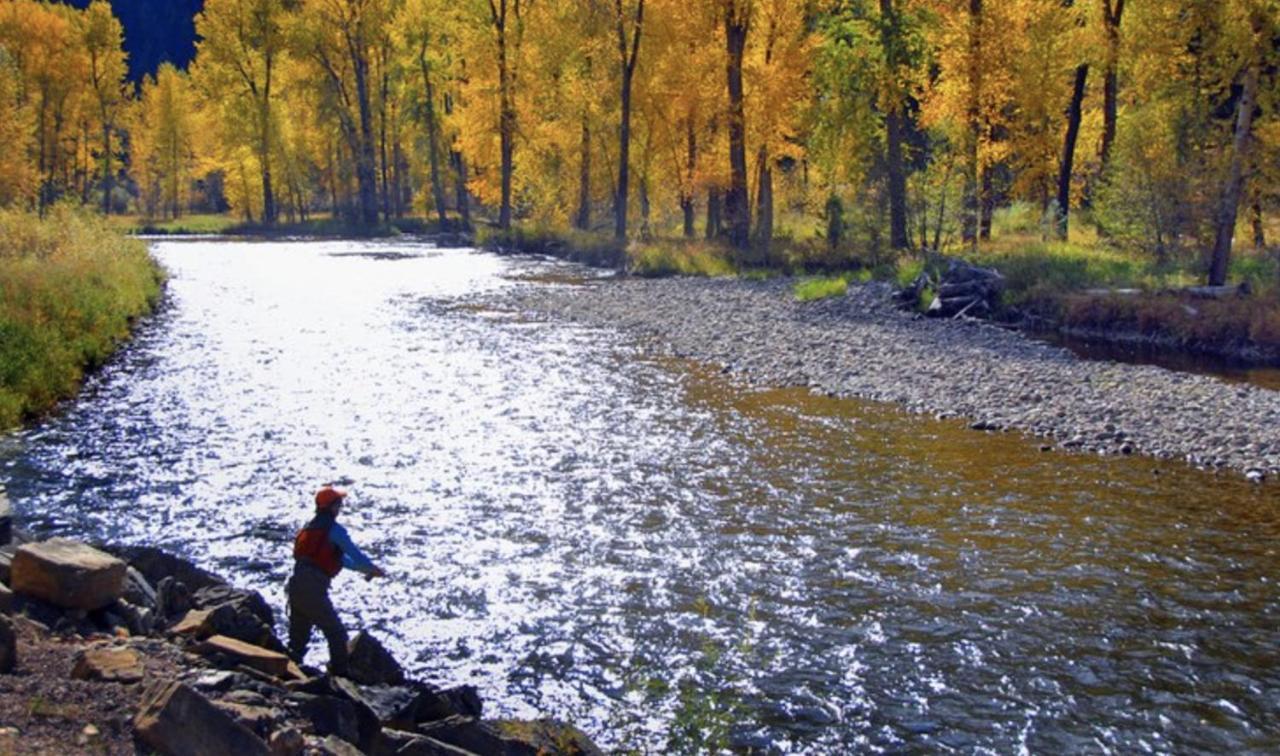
x,y
255,657
177,721
67,574
108,664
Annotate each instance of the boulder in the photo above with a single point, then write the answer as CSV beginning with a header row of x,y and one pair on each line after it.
x,y
392,705
6,562
68,574
335,746
6,599
138,620
156,564
510,738
370,663
242,615
400,743
177,721
138,591
328,715
286,742
255,657
462,700
259,719
173,598
108,664
6,519
547,736
8,646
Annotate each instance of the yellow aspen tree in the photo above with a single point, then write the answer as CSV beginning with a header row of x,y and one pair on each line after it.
x,y
102,38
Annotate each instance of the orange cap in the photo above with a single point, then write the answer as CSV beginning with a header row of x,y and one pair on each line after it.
x,y
328,496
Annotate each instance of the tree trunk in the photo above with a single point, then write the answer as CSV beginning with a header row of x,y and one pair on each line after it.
x,y
714,213
506,129
737,210
764,203
108,177
1229,204
582,218
1259,233
1111,16
898,238
973,167
269,210
686,192
628,53
385,168
1074,111
366,160
987,208
433,139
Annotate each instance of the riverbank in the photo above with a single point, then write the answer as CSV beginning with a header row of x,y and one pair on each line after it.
x,y
71,288
861,345
116,649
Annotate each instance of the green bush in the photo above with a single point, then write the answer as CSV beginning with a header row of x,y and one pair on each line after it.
x,y
809,289
70,288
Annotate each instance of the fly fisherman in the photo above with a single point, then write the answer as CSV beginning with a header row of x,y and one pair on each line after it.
x,y
320,551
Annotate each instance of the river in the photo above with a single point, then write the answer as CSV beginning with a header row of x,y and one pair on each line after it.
x,y
640,546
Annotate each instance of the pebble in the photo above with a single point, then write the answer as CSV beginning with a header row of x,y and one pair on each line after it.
x,y
860,345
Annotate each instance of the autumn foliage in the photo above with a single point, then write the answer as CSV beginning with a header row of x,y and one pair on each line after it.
x,y
755,122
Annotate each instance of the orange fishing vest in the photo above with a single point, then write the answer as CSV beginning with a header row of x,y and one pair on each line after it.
x,y
312,544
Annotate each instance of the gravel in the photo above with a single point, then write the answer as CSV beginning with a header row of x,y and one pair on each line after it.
x,y
860,345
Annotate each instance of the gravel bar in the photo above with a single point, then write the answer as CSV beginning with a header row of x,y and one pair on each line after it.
x,y
860,345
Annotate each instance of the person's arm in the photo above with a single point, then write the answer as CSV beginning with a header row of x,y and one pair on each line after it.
x,y
352,557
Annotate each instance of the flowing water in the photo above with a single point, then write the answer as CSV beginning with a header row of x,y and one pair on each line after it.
x,y
635,544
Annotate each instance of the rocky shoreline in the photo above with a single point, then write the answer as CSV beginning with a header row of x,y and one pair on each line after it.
x,y
862,345
125,650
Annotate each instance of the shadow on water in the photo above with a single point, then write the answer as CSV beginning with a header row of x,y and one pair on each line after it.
x,y
1185,362
639,545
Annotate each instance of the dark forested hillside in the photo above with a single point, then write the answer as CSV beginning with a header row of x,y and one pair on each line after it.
x,y
155,31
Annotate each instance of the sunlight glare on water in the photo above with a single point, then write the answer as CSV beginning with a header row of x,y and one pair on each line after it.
x,y
639,546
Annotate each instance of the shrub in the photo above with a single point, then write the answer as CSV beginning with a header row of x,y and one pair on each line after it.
x,y
809,289
70,287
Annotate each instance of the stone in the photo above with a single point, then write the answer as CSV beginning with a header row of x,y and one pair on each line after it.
x,y
233,613
108,664
259,719
68,574
370,663
195,623
255,657
286,742
138,591
401,743
6,563
464,700
8,646
157,564
172,597
328,715
6,519
139,620
177,721
392,706
335,746
510,737
7,599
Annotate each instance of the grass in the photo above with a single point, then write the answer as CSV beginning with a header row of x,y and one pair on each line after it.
x,y
683,257
204,224
812,288
71,286
228,225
